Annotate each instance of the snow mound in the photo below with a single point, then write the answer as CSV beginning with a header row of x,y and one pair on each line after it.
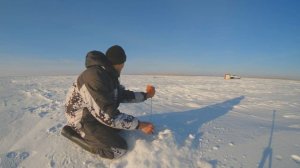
x,y
161,149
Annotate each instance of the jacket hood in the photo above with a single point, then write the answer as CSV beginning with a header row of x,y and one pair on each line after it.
x,y
97,58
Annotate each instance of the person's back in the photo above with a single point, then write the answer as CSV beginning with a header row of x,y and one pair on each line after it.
x,y
93,100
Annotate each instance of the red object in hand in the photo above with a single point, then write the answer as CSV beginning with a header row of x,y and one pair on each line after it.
x,y
150,91
146,127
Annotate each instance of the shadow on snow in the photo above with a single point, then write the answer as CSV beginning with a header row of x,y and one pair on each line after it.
x,y
189,122
268,151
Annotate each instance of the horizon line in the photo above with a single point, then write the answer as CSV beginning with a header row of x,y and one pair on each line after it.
x,y
157,74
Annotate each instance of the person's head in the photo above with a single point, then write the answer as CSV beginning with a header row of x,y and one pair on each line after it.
x,y
116,55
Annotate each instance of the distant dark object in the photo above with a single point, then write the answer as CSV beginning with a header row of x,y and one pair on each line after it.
x,y
229,76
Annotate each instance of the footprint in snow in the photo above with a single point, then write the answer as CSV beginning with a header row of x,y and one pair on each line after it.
x,y
11,155
13,159
23,155
43,114
52,164
55,128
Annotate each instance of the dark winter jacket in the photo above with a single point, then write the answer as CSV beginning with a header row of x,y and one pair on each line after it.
x,y
98,92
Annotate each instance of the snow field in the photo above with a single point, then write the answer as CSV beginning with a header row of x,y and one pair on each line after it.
x,y
199,121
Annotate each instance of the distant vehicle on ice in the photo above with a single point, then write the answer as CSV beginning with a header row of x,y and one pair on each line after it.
x,y
229,76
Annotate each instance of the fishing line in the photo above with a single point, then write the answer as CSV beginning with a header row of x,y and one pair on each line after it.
x,y
151,110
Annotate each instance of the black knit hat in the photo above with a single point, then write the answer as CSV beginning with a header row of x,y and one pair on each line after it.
x,y
116,55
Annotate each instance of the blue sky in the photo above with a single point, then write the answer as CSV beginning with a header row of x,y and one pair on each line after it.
x,y
248,38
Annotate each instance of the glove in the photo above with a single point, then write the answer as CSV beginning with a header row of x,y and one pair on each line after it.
x,y
150,91
146,127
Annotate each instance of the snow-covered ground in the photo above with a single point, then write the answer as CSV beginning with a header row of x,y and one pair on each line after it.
x,y
200,122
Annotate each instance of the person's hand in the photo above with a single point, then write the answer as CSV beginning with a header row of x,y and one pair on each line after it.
x,y
146,127
150,91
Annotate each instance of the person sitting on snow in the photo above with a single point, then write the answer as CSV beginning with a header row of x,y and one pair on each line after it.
x,y
92,105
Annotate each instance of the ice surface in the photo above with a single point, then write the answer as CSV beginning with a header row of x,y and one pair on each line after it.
x,y
199,122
